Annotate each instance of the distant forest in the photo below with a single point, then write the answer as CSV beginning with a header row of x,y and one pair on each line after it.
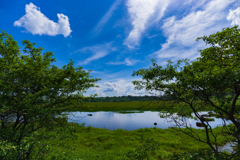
x,y
126,98
134,98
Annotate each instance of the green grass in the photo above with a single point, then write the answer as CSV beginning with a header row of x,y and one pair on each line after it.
x,y
133,105
118,106
94,143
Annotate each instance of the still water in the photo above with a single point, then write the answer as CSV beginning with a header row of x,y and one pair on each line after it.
x,y
131,121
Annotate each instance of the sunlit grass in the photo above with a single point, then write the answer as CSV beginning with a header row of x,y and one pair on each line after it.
x,y
94,143
133,105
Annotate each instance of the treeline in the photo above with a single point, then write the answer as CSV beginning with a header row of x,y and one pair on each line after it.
x,y
126,98
135,98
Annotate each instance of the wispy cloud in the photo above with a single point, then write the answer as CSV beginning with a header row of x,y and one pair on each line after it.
x,y
234,15
98,52
93,71
97,55
37,23
141,11
181,34
106,17
127,62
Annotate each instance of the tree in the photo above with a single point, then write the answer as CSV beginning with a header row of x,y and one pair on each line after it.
x,y
204,83
33,94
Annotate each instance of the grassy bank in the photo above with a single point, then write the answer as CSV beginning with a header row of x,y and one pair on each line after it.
x,y
102,144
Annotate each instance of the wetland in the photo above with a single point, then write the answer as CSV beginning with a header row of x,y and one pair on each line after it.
x,y
112,130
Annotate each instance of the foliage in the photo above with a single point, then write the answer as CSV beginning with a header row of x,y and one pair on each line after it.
x,y
211,80
31,93
142,152
128,98
103,144
197,155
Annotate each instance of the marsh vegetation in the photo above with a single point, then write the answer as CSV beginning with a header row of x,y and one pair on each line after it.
x,y
100,143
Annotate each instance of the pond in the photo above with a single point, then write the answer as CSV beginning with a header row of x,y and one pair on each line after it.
x,y
131,120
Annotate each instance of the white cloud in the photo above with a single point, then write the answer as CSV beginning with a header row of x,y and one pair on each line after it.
x,y
181,34
130,62
98,51
141,11
37,23
110,87
176,53
98,91
117,87
97,55
128,89
127,62
107,16
234,15
195,4
93,71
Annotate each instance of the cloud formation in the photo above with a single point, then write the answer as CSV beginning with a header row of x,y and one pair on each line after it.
x,y
128,89
110,87
97,91
127,62
181,34
106,17
141,11
234,15
98,51
117,87
37,23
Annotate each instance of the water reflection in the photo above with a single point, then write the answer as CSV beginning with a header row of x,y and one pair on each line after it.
x,y
131,121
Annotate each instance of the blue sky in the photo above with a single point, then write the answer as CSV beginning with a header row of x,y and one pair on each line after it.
x,y
114,38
